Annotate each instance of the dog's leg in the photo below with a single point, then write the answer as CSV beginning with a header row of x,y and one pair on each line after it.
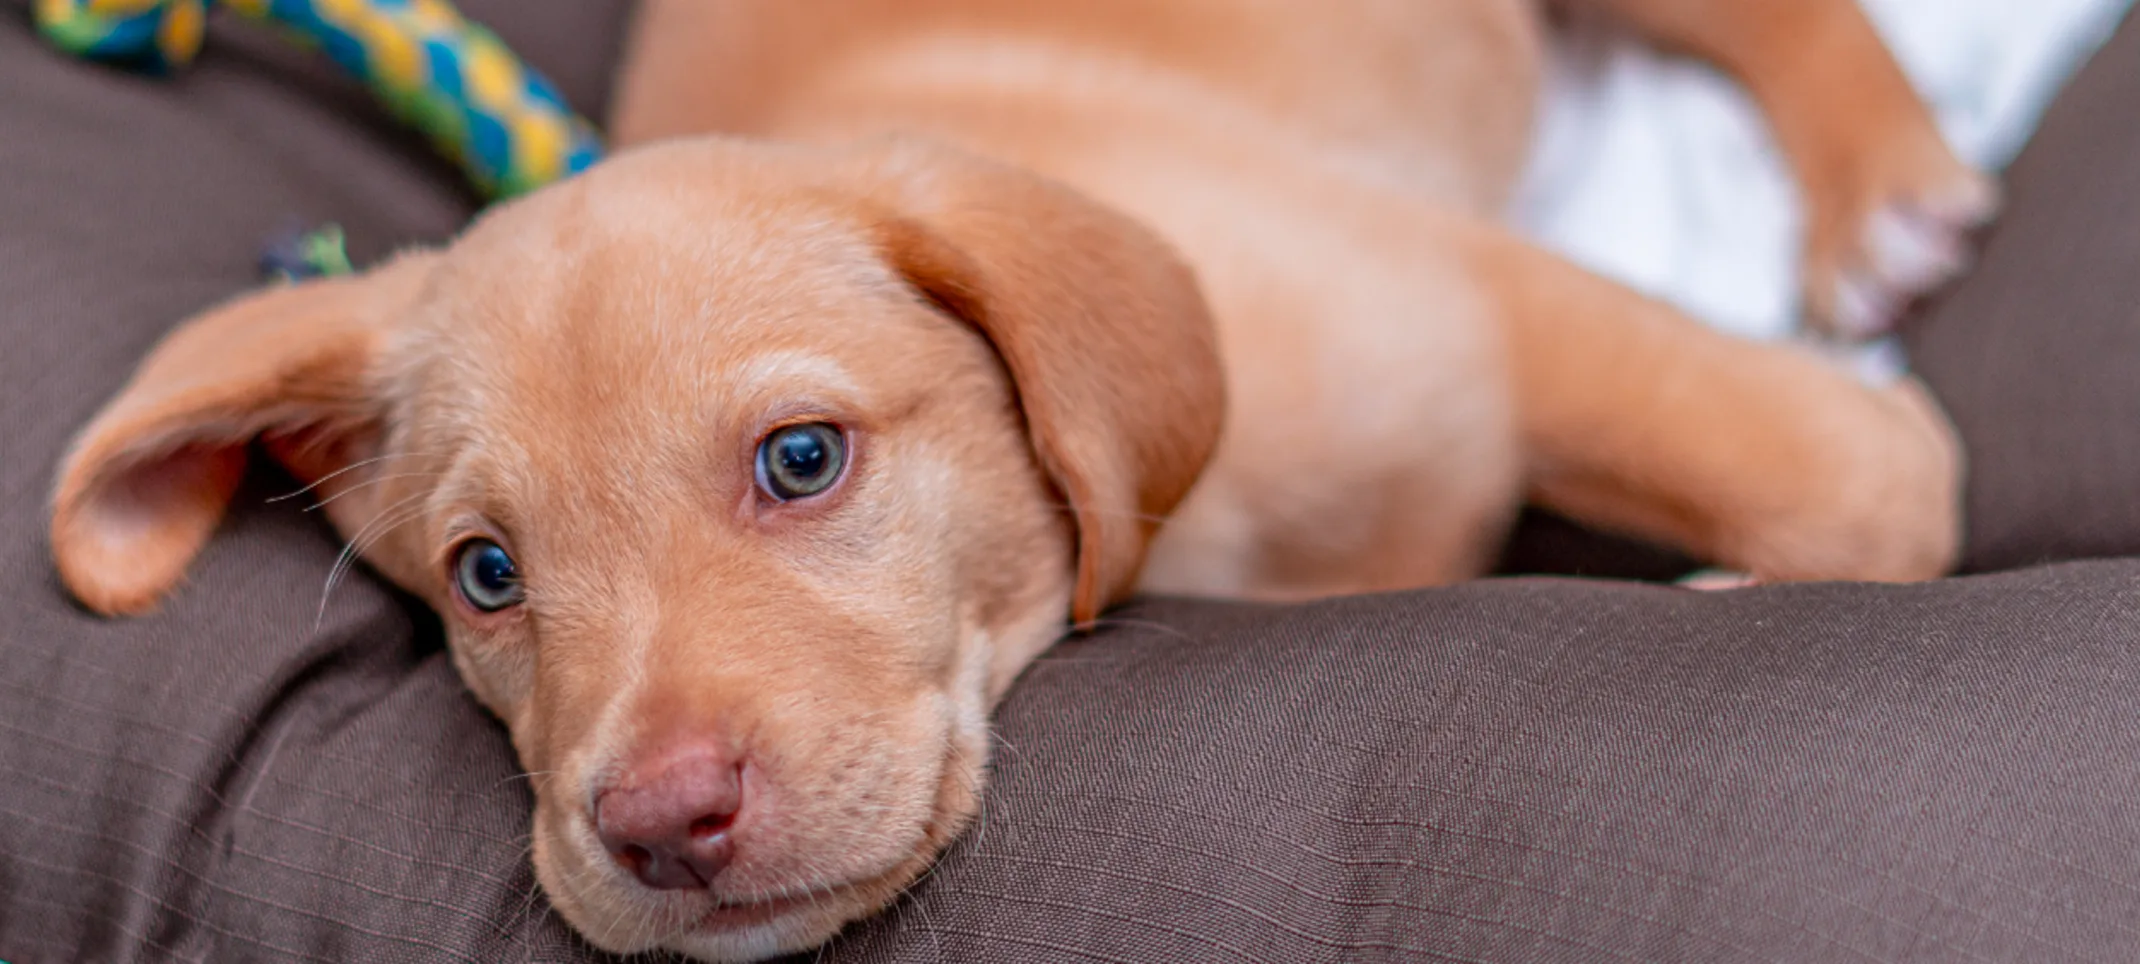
x,y
1888,204
1764,458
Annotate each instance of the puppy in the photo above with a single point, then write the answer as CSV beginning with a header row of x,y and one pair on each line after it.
x,y
747,471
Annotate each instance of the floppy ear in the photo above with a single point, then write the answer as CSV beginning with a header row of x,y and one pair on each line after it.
x,y
147,481
1100,323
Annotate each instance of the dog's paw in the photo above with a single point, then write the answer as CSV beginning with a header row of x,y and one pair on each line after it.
x,y
1880,503
1900,230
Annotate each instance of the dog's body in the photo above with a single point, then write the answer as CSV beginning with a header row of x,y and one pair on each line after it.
x,y
1398,368
768,704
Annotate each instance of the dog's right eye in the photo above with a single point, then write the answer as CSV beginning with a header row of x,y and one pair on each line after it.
x,y
486,576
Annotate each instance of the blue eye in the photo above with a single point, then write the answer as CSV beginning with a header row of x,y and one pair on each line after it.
x,y
798,461
486,576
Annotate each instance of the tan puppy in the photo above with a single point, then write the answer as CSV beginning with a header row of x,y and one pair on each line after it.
x,y
746,474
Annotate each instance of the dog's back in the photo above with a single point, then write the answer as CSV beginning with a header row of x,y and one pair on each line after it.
x,y
1435,95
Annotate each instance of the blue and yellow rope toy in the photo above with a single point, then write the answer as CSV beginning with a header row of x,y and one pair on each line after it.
x,y
502,122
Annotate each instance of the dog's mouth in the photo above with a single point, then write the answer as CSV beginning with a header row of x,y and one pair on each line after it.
x,y
820,910
796,919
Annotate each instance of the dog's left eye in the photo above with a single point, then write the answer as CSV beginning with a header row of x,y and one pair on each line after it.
x,y
486,576
799,461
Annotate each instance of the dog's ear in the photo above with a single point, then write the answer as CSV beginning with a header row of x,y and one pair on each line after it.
x,y
1100,323
147,481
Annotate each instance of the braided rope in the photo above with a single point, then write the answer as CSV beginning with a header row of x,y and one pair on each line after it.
x,y
454,80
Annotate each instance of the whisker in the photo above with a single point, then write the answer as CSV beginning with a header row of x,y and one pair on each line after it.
x,y
344,470
530,776
368,483
995,736
526,911
356,548
936,943
1105,622
401,513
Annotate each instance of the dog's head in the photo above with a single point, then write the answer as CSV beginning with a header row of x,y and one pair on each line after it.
x,y
743,478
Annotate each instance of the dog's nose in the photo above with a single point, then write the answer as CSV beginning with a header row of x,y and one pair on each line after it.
x,y
668,822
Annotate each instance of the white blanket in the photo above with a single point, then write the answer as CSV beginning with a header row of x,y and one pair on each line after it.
x,y
1660,172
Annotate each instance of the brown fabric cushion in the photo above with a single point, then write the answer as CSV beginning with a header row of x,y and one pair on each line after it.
x,y
1527,771
1541,771
2037,352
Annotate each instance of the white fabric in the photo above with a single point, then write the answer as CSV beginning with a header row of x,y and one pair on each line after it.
x,y
1660,172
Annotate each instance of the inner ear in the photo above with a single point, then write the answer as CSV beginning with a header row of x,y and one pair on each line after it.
x,y
148,480
136,527
129,532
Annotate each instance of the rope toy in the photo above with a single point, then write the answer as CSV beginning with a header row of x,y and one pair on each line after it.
x,y
454,80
